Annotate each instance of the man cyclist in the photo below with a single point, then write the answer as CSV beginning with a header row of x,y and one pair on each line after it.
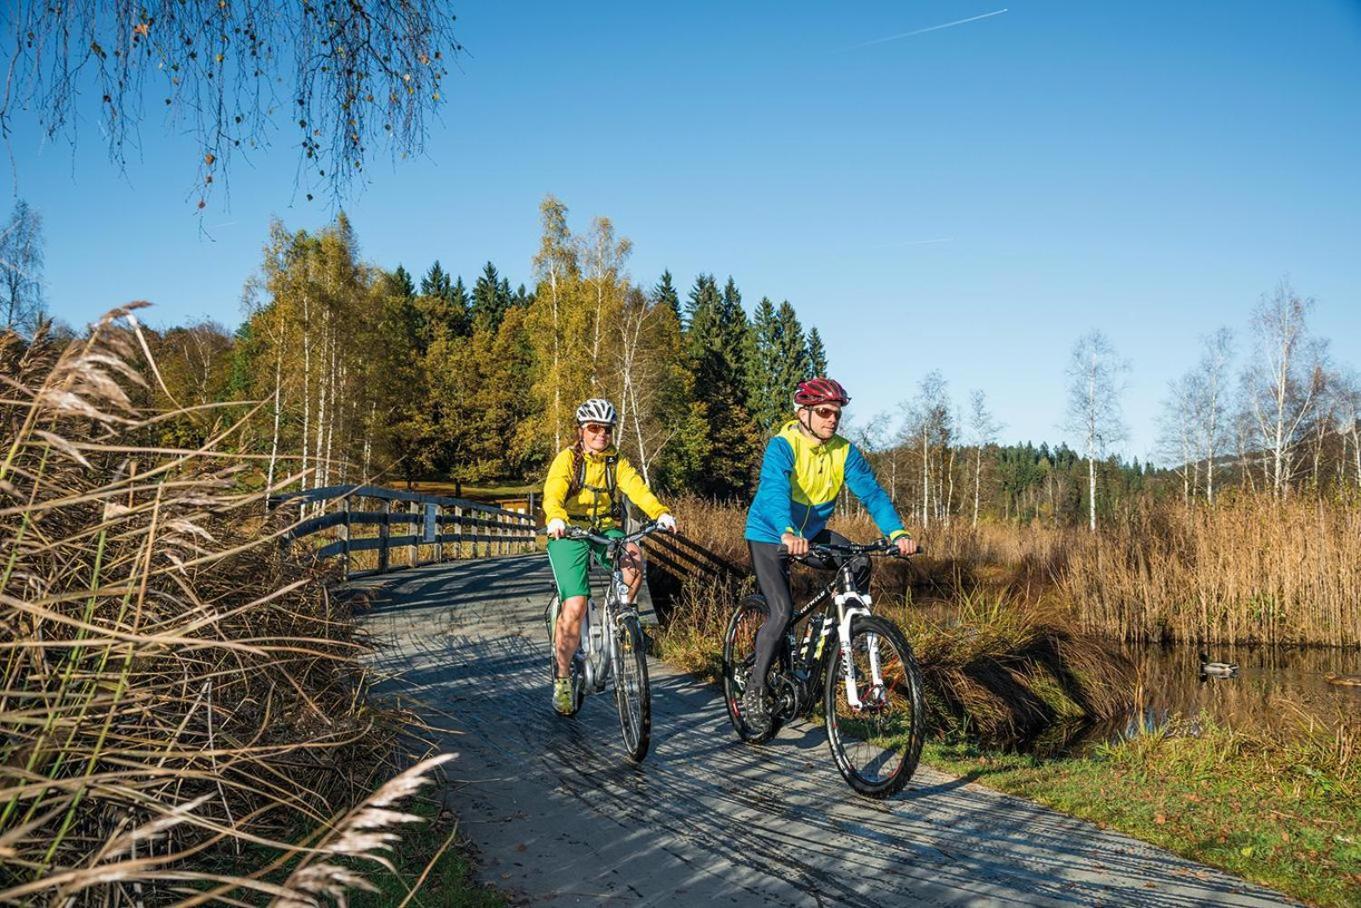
x,y
582,489
804,468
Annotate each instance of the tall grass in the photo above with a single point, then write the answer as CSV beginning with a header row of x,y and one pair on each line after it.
x,y
174,686
1250,570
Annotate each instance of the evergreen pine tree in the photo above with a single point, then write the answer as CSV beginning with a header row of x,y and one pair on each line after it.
x,y
717,335
794,347
737,332
406,322
765,372
460,306
435,282
443,306
665,292
702,313
793,352
403,283
491,299
817,355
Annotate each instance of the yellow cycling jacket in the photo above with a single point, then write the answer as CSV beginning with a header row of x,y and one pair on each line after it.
x,y
593,505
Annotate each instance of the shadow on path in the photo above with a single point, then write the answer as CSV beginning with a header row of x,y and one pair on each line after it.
x,y
559,815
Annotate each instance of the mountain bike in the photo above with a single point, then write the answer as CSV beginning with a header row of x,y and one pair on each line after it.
x,y
856,665
612,646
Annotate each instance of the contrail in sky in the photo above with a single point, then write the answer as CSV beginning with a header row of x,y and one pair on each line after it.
x,y
933,28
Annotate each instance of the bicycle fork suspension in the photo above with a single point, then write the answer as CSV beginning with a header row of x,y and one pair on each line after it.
x,y
848,658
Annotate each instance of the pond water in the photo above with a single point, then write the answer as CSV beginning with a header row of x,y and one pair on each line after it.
x,y
1273,684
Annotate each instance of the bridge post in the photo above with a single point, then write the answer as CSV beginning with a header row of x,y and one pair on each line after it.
x,y
439,533
345,536
415,525
458,531
383,534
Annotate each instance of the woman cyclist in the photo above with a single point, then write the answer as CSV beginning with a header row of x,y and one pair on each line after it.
x,y
804,468
582,490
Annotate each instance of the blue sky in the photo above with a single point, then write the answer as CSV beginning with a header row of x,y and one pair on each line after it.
x,y
968,199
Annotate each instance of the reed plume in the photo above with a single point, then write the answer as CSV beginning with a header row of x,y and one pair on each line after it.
x,y
175,685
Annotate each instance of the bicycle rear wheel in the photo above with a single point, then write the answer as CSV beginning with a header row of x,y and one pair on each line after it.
x,y
631,691
877,743
739,652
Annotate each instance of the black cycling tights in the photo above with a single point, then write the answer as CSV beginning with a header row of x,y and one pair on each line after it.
x,y
772,576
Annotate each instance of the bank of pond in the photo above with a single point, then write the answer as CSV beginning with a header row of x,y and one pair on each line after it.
x,y
1271,688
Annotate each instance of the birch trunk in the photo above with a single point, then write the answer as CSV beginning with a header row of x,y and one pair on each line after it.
x,y
977,480
322,387
306,383
1091,491
926,482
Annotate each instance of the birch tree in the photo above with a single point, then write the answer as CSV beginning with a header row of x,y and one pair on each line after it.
x,y
1177,435
1095,382
1282,382
604,257
1349,420
1213,430
21,269
654,384
929,431
983,429
557,270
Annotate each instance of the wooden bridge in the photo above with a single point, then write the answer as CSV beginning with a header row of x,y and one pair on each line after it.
x,y
558,815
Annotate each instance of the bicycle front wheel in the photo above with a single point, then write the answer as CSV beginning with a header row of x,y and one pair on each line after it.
x,y
631,691
875,717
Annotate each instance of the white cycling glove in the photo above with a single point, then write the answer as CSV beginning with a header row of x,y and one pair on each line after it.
x,y
556,527
667,522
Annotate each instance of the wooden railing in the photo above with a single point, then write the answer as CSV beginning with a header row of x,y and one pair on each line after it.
x,y
445,528
674,559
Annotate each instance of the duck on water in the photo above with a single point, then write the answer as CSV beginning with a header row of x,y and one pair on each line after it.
x,y
1210,669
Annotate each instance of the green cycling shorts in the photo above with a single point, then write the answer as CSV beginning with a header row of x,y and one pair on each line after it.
x,y
571,562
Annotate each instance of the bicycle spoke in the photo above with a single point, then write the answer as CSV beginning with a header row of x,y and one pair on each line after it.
x,y
631,687
875,735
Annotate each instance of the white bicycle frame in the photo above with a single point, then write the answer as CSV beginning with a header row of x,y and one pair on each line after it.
x,y
848,607
598,640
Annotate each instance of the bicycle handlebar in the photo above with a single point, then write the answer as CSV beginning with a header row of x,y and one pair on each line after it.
x,y
578,533
878,547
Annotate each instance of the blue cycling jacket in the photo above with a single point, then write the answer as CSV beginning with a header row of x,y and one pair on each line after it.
x,y
799,484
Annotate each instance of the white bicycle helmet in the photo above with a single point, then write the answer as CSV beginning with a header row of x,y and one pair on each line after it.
x,y
597,409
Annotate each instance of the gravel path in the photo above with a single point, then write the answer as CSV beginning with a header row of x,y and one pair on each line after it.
x,y
559,816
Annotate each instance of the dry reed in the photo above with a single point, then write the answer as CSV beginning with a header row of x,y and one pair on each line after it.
x,y
1250,570
174,686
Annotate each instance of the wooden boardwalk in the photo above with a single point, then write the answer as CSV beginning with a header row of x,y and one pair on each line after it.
x,y
558,816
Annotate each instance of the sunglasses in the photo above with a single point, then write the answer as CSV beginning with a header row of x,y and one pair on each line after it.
x,y
596,428
827,413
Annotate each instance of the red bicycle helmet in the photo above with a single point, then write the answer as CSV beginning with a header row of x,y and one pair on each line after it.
x,y
814,391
